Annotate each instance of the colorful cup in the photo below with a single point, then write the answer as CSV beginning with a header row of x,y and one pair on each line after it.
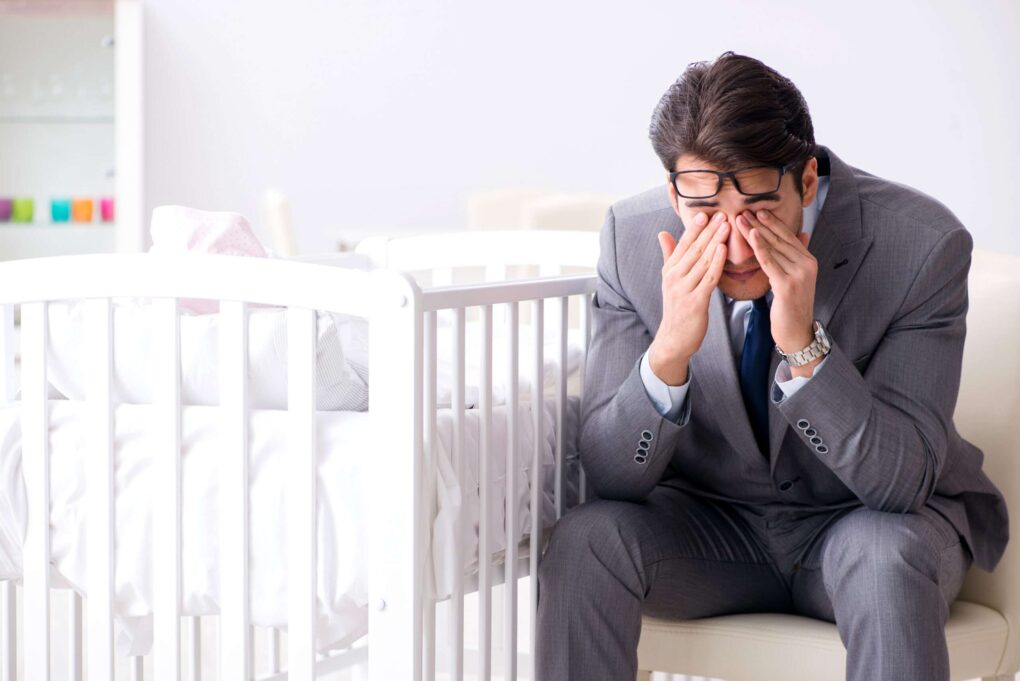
x,y
60,210
81,210
22,210
106,209
6,207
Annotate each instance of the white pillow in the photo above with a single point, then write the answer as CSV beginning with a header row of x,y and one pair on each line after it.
x,y
339,386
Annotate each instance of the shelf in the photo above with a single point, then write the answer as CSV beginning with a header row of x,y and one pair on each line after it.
x,y
56,226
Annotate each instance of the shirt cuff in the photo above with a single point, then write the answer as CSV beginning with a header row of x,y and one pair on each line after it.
x,y
790,384
668,400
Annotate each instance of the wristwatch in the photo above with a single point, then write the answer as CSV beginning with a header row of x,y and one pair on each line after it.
x,y
819,347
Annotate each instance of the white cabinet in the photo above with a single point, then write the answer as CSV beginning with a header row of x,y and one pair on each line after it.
x,y
70,128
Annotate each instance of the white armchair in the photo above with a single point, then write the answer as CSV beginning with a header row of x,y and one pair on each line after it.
x,y
983,631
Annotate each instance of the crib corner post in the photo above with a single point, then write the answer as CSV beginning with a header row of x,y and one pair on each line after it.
x,y
396,550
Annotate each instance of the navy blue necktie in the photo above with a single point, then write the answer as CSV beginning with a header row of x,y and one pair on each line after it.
x,y
754,371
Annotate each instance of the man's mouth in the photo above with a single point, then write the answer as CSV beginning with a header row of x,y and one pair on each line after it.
x,y
741,276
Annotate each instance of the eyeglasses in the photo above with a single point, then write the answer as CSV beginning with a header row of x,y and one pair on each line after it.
x,y
751,181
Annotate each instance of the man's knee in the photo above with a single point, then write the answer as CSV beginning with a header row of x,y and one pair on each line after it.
x,y
882,554
589,538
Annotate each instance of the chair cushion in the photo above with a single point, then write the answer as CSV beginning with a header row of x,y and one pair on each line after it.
x,y
774,647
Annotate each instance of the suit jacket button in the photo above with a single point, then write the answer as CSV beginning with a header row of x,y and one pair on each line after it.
x,y
803,423
646,435
785,485
816,440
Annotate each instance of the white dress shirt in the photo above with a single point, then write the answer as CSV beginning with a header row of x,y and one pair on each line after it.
x,y
669,399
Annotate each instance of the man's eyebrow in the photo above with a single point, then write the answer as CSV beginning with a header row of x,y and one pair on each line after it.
x,y
748,200
764,197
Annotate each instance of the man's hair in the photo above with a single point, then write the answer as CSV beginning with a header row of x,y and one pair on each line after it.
x,y
733,112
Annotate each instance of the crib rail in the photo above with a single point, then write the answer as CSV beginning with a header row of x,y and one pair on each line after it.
x,y
403,640
488,299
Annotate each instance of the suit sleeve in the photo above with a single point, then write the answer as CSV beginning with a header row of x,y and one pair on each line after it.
x,y
625,444
885,434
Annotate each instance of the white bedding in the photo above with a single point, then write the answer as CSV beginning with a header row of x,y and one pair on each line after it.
x,y
346,446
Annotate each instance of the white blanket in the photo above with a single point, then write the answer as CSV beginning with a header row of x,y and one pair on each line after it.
x,y
346,445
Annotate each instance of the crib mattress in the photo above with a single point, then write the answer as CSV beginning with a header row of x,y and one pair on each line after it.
x,y
346,445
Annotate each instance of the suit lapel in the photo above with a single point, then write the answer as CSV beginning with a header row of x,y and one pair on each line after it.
x,y
715,371
839,244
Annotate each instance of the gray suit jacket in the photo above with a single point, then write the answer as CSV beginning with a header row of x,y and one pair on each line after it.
x,y
873,426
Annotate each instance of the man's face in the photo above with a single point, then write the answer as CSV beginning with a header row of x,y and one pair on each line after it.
x,y
742,278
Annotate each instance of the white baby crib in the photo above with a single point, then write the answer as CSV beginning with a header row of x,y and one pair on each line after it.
x,y
402,639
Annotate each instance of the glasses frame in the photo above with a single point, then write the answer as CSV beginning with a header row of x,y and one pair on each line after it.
x,y
732,174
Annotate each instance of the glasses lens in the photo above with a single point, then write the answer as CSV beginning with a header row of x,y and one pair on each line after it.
x,y
697,185
758,180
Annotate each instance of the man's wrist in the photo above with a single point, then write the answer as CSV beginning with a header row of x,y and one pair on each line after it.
x,y
672,372
807,370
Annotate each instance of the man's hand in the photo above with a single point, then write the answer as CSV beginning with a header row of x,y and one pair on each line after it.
x,y
792,271
690,271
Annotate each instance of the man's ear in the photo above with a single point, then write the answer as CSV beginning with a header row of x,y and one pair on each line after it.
x,y
809,181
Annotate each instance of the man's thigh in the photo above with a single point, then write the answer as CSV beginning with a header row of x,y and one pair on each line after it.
x,y
684,556
925,540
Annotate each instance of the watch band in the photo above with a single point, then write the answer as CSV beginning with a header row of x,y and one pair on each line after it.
x,y
819,347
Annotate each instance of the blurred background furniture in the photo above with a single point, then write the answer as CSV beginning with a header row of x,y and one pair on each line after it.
x,y
71,126
536,209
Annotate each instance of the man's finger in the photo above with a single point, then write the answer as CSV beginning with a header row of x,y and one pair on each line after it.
x,y
765,256
667,244
704,262
773,224
708,236
714,273
691,234
780,248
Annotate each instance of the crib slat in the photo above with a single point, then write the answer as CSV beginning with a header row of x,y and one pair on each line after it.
x,y
8,600
36,471
537,469
99,341
8,629
430,361
193,637
586,333
395,411
457,403
561,403
235,644
137,667
484,504
74,656
301,338
273,651
510,566
167,497
8,377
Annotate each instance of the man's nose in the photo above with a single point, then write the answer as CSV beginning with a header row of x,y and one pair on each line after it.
x,y
738,250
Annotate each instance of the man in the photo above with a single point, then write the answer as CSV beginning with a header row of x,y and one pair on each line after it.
x,y
767,421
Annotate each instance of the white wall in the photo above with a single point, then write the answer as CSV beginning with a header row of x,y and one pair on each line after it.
x,y
378,113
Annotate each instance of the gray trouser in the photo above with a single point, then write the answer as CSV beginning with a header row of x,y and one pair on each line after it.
x,y
885,579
